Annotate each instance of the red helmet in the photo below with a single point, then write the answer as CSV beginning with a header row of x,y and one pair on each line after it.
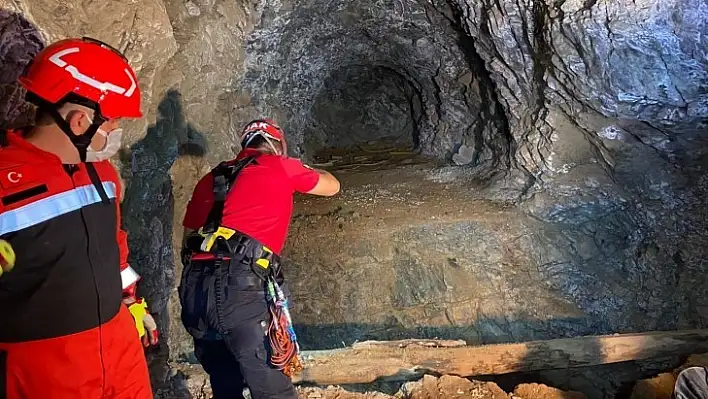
x,y
265,127
89,69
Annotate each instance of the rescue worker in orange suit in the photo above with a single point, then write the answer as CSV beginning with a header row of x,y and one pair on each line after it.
x,y
223,303
66,308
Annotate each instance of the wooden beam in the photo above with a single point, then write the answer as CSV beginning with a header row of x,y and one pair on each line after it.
x,y
403,360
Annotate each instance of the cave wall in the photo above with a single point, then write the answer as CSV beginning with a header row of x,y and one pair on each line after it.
x,y
607,105
640,61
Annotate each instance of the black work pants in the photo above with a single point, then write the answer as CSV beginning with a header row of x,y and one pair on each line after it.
x,y
225,309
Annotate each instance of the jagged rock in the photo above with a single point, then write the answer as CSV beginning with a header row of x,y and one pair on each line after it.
x,y
365,70
20,43
338,393
566,71
622,60
659,387
141,29
540,391
450,387
464,155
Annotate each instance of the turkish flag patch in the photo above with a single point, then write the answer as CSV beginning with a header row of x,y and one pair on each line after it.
x,y
16,176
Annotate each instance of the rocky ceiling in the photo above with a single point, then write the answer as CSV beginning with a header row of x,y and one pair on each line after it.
x,y
348,71
589,116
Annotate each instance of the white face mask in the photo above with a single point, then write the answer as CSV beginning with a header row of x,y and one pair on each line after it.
x,y
109,149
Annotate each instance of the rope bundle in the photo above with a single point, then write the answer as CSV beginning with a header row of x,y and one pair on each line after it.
x,y
285,352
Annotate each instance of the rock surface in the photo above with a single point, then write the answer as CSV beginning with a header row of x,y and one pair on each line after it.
x,y
451,387
577,131
530,391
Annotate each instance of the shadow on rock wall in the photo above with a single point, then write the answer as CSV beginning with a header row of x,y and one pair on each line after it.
x,y
148,211
20,41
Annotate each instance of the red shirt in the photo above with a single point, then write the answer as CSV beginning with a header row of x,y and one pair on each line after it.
x,y
260,203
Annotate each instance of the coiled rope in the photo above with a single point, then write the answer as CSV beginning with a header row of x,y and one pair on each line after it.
x,y
285,351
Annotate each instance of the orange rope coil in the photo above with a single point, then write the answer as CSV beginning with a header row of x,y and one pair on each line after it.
x,y
283,349
285,352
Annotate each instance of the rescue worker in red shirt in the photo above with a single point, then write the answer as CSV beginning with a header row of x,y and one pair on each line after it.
x,y
238,218
65,329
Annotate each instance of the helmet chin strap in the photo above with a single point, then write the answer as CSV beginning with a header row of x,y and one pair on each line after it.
x,y
272,146
82,141
251,136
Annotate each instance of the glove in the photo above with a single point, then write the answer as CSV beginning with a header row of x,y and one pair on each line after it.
x,y
144,322
7,257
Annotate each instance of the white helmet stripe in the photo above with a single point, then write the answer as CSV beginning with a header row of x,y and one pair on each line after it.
x,y
133,84
56,58
102,86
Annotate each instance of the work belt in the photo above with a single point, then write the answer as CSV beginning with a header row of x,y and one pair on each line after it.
x,y
237,247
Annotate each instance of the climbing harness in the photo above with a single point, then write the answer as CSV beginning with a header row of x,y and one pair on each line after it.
x,y
224,176
224,243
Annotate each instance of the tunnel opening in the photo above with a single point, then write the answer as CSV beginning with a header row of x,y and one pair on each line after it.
x,y
365,115
362,103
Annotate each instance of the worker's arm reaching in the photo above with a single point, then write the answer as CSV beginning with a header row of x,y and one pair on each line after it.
x,y
327,185
308,180
304,179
